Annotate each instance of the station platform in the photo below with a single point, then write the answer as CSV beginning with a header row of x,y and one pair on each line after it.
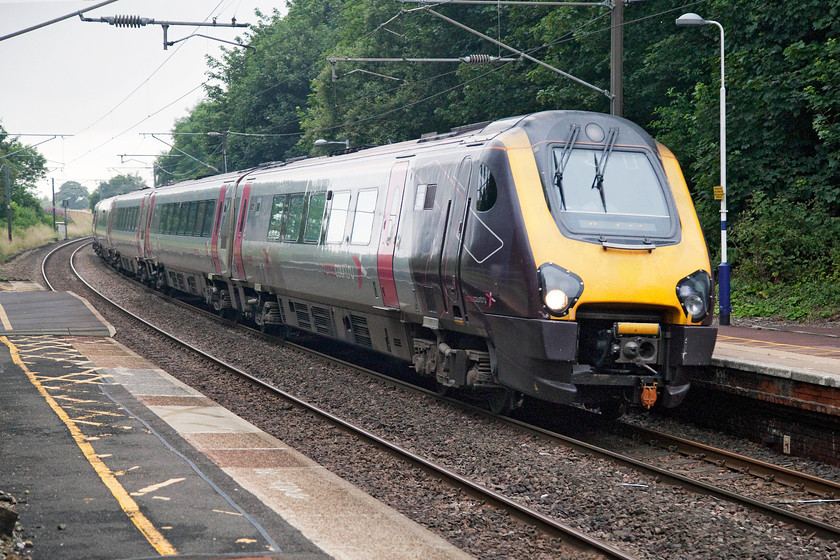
x,y
793,366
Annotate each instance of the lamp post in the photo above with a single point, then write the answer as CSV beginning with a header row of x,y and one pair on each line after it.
x,y
724,302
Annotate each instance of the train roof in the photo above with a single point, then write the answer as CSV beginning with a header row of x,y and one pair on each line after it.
x,y
546,126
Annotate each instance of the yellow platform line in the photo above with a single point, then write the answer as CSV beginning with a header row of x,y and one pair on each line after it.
x,y
7,325
777,345
128,505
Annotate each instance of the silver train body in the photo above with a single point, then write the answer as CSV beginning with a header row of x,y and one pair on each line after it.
x,y
556,255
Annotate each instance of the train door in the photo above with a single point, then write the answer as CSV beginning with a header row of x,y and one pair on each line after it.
x,y
140,232
451,254
218,250
239,232
388,235
147,250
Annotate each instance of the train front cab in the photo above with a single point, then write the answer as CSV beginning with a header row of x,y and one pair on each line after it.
x,y
622,310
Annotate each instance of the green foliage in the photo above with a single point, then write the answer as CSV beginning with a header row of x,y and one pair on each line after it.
x,y
74,193
800,301
786,254
778,240
25,168
116,185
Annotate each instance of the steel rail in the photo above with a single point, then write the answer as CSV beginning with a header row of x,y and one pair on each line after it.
x,y
734,461
544,522
52,252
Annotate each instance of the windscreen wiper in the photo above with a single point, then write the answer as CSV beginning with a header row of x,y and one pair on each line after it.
x,y
560,165
601,165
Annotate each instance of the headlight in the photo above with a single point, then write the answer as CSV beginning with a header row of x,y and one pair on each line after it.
x,y
560,289
695,294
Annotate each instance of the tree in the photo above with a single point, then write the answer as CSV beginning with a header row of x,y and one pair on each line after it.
x,y
26,166
74,193
120,184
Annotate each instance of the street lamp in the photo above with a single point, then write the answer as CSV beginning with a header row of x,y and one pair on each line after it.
x,y
724,302
321,142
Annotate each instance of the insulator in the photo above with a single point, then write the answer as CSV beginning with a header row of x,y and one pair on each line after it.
x,y
478,59
130,21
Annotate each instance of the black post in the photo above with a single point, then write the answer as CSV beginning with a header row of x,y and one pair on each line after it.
x,y
617,58
9,201
55,228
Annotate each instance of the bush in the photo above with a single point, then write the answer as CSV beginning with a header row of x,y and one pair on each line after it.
x,y
785,260
781,241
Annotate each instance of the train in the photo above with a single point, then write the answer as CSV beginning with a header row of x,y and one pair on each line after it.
x,y
555,256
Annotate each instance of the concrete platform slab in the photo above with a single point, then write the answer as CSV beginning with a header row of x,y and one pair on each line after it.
x,y
29,313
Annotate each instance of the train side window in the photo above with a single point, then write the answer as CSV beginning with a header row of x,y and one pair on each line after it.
x,y
171,218
182,218
294,218
164,219
363,221
209,215
192,215
275,222
155,226
338,217
315,218
487,190
424,198
224,219
200,217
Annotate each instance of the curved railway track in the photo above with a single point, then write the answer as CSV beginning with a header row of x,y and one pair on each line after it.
x,y
632,445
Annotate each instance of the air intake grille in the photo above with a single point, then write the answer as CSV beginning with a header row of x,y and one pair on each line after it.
x,y
302,312
361,333
323,321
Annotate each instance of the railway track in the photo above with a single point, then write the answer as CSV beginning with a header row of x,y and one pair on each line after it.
x,y
580,540
630,454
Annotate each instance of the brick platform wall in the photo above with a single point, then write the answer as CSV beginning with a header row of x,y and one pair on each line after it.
x,y
809,434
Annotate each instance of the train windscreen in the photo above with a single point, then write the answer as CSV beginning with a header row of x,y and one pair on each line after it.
x,y
616,192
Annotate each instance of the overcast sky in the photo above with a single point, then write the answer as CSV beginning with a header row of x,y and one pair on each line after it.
x,y
104,86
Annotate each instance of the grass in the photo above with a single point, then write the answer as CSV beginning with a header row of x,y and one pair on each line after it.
x,y
36,236
803,301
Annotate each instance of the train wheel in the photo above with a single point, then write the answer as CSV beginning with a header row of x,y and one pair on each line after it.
x,y
502,401
441,389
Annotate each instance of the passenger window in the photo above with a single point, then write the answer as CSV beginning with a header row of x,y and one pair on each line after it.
x,y
363,221
171,216
424,199
209,214
487,191
192,215
224,220
182,218
199,218
294,221
338,217
275,223
315,218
